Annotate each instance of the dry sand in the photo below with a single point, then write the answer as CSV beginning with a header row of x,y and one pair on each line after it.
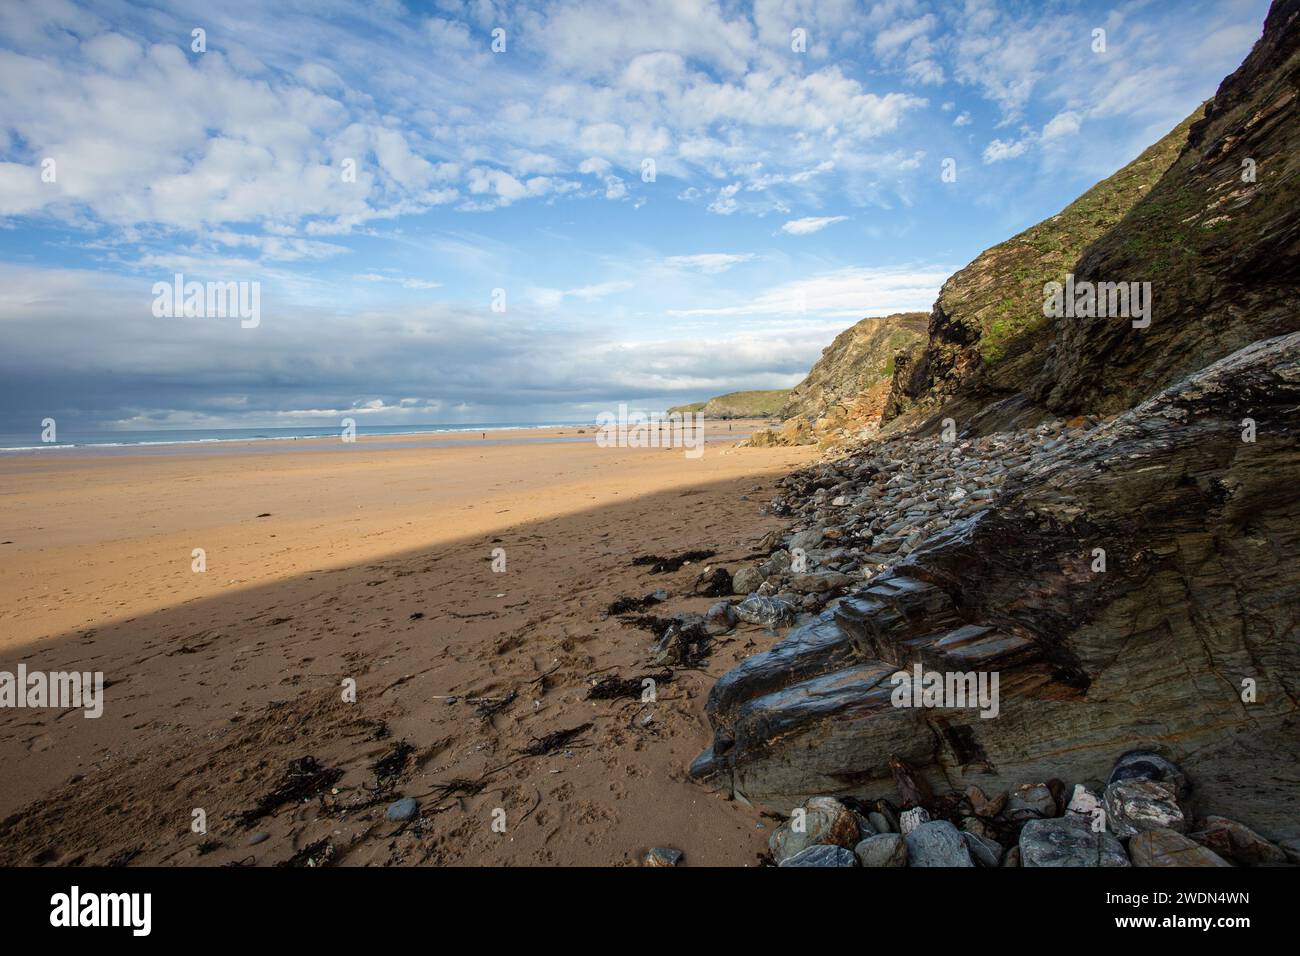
x,y
373,562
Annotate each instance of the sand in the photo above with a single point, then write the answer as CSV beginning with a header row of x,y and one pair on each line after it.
x,y
369,563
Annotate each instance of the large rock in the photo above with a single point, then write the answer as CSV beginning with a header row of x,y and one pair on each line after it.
x,y
883,849
1145,765
1197,596
821,820
768,611
1133,806
1029,802
1291,848
937,843
1236,842
822,855
983,851
1163,847
1065,841
746,580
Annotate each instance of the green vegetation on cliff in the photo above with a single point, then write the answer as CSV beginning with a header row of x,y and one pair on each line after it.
x,y
759,404
987,330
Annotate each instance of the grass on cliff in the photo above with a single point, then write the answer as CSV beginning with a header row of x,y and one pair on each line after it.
x,y
1002,290
756,404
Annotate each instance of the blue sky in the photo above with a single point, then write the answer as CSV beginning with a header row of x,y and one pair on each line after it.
x,y
793,192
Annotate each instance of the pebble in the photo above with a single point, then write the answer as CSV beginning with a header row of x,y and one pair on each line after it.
x,y
403,809
663,856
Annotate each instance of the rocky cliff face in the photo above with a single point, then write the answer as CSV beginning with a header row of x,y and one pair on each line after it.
x,y
987,332
846,389
860,358
1197,604
1206,217
1110,524
1218,238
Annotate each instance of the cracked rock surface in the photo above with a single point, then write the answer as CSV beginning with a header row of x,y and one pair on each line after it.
x,y
1198,534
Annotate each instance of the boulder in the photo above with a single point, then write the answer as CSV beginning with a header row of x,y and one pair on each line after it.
x,y
1164,847
884,849
721,613
937,843
807,540
1138,804
824,820
1236,842
979,827
984,806
1065,841
746,580
1083,803
821,855
1029,802
983,851
818,582
767,611
1148,765
1292,850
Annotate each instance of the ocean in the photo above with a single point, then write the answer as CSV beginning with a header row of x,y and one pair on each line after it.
x,y
31,441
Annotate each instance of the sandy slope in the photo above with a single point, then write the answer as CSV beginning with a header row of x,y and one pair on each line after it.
x,y
374,564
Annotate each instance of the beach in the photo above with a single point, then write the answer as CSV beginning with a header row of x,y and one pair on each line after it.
x,y
231,596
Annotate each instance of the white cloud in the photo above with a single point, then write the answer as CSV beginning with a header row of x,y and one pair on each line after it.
x,y
810,224
841,293
925,72
1066,123
404,282
1001,150
710,263
726,203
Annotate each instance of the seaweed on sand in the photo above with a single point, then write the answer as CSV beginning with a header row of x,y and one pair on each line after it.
x,y
304,778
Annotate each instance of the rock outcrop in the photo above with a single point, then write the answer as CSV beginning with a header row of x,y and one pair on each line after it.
x,y
845,390
1135,586
860,359
1218,238
987,334
761,404
1204,220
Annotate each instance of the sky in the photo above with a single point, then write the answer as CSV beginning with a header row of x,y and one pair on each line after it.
x,y
488,212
